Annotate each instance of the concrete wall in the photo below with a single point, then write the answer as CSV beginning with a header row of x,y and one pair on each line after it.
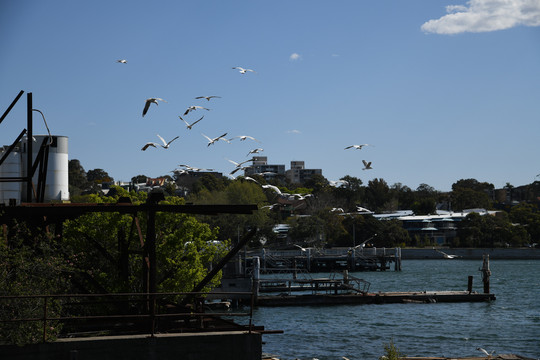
x,y
465,253
235,345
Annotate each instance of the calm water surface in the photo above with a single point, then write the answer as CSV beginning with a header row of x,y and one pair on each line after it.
x,y
511,324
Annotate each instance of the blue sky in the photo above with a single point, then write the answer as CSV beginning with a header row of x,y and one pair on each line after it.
x,y
442,89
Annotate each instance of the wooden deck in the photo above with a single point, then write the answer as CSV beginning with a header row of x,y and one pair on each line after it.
x,y
374,298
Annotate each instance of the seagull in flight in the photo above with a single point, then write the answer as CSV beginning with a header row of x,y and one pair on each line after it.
x,y
191,168
193,108
485,352
445,255
150,101
211,141
367,165
122,61
208,97
153,144
242,70
357,147
273,188
247,178
301,248
244,137
255,151
238,169
189,126
239,164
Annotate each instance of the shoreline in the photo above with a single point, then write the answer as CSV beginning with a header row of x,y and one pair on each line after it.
x,y
471,253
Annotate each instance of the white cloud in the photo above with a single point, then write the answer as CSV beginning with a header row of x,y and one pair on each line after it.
x,y
293,131
485,15
295,57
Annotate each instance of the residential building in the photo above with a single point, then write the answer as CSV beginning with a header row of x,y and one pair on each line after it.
x,y
261,167
299,174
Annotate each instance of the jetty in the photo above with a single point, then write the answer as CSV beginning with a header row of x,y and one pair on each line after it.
x,y
325,260
351,290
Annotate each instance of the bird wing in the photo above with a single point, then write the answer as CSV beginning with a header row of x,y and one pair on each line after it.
x,y
160,99
187,124
147,145
197,121
365,163
146,106
234,162
162,140
348,147
169,143
211,140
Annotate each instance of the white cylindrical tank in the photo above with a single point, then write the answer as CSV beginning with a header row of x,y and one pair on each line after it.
x,y
11,167
57,181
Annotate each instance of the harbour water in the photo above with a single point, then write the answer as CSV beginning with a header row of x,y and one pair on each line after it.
x,y
508,325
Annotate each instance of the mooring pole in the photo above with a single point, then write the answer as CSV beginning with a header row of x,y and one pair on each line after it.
x,y
486,273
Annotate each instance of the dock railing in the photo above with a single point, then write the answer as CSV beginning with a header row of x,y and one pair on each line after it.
x,y
148,308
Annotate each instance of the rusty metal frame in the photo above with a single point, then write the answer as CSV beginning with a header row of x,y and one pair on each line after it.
x,y
152,316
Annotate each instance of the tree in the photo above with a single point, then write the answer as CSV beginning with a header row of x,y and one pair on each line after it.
x,y
317,182
404,194
139,179
377,194
471,194
98,176
77,178
210,182
350,191
486,231
31,263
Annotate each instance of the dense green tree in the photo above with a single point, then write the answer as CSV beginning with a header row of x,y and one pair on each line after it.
x,y
103,247
424,206
77,178
318,183
471,194
139,179
211,183
487,231
404,195
98,176
377,194
528,217
31,263
350,191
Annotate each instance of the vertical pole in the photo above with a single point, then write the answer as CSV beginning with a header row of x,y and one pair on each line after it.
x,y
469,284
486,273
45,319
29,149
256,277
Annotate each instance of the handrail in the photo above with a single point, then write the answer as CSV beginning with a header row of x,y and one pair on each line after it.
x,y
150,298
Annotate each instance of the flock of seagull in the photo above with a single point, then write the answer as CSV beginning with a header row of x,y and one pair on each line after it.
x,y
212,140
